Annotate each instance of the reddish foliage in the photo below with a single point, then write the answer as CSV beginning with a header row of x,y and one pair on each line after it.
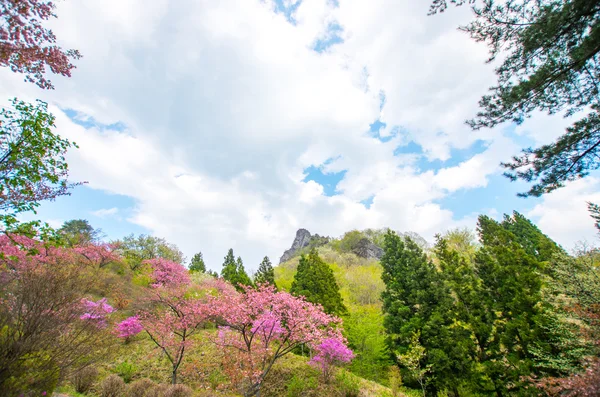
x,y
26,46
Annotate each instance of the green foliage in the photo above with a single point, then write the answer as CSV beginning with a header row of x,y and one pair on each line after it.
x,y
363,328
416,300
412,358
350,241
32,162
234,272
315,281
265,273
297,386
349,385
197,263
549,52
135,250
594,210
78,232
126,370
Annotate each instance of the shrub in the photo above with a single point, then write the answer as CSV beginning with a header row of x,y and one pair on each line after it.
x,y
157,391
297,386
178,391
112,386
395,379
126,370
349,385
139,387
84,378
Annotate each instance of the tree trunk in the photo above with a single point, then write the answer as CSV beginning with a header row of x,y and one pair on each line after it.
x,y
174,376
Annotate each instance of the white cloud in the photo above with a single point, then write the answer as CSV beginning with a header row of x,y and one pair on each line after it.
x,y
105,212
226,104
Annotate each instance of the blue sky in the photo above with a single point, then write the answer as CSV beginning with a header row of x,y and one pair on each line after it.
x,y
231,124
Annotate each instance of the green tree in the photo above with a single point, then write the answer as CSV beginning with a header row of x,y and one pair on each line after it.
x,y
265,273
535,243
234,272
315,281
242,276
78,232
197,263
550,63
32,161
416,300
229,270
137,249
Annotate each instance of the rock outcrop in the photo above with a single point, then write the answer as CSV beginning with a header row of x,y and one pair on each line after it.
x,y
365,248
302,240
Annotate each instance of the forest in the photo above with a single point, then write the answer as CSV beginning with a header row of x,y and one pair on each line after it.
x,y
500,309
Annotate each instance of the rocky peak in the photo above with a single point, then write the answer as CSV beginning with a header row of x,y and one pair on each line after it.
x,y
301,240
365,248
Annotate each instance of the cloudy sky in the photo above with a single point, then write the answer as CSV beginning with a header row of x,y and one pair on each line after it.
x,y
232,123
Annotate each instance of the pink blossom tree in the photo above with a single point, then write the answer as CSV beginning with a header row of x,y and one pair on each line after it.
x,y
172,313
46,327
166,273
331,352
259,326
26,46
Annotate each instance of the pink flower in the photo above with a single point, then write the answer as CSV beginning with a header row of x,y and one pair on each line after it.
x,y
129,327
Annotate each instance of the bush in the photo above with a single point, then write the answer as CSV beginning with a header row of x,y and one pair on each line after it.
x,y
157,391
395,379
84,378
112,386
139,387
178,391
298,386
349,385
126,370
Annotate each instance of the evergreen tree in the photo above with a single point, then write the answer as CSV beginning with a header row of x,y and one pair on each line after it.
x,y
265,273
526,330
229,271
197,263
315,281
535,243
242,276
549,52
417,302
78,232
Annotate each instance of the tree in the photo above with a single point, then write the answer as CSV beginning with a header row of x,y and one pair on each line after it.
x,y
416,299
197,263
26,46
32,160
550,63
166,273
77,232
265,273
48,327
412,358
171,316
315,281
234,272
135,250
242,276
229,271
259,326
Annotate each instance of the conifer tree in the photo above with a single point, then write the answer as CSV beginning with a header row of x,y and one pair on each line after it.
x,y
197,264
242,276
416,301
229,271
315,281
265,273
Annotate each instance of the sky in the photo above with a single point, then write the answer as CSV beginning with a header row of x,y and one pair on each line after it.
x,y
233,123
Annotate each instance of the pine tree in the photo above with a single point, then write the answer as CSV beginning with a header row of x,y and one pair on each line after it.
x,y
265,273
229,271
535,243
416,301
197,263
242,276
315,281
